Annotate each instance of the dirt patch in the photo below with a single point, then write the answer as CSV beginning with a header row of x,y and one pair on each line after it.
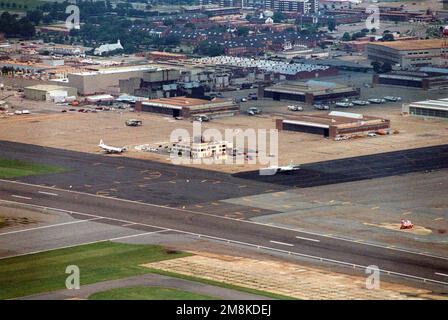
x,y
284,278
422,231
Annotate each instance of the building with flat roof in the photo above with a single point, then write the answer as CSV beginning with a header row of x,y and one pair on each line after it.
x,y
426,78
188,107
437,109
105,80
309,92
44,92
408,53
160,55
334,124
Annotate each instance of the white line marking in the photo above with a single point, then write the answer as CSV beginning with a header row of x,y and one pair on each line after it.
x,y
307,239
21,197
48,193
48,226
138,235
441,274
352,265
230,218
282,243
128,224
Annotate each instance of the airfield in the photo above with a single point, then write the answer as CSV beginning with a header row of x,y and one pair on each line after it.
x,y
366,185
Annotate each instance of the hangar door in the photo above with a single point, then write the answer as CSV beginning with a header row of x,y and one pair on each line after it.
x,y
307,129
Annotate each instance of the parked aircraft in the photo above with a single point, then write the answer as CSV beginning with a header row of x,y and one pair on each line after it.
x,y
109,149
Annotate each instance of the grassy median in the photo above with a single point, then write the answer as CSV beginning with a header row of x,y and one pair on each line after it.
x,y
148,293
17,168
44,272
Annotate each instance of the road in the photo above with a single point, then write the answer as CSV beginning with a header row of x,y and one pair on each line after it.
x,y
158,218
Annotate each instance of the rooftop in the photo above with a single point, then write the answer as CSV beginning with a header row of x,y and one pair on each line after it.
x,y
47,87
411,44
183,102
335,119
440,104
310,86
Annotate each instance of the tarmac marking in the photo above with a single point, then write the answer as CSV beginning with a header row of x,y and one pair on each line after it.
x,y
203,181
120,167
97,163
128,224
172,181
437,219
242,186
48,193
49,226
21,197
374,208
222,217
198,206
406,213
216,182
322,259
441,274
138,235
282,243
307,239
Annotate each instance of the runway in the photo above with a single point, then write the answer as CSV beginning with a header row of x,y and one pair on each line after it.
x,y
154,198
152,218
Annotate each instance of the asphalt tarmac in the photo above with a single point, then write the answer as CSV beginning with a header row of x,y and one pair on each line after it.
x,y
357,168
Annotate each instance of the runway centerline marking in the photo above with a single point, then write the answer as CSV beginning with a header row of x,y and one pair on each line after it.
x,y
322,259
281,243
307,239
21,197
49,226
223,217
48,193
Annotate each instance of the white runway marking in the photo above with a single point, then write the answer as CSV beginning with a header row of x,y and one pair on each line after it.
x,y
138,235
21,197
282,243
307,239
49,226
441,274
322,259
48,193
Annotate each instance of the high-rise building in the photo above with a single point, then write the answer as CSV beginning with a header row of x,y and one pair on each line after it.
x,y
302,6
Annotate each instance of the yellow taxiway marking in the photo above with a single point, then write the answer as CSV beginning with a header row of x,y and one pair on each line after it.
x,y
242,186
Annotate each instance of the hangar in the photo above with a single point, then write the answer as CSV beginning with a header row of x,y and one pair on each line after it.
x,y
333,124
188,107
309,92
427,109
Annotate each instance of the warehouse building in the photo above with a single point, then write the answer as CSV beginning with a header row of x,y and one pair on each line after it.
x,y
309,92
408,53
334,124
105,80
426,78
188,107
437,109
49,92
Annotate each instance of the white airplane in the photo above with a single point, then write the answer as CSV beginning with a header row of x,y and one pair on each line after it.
x,y
276,169
109,149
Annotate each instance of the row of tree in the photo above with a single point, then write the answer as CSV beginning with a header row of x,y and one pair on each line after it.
x,y
12,26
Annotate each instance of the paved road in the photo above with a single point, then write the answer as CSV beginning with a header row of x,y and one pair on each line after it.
x,y
152,280
159,218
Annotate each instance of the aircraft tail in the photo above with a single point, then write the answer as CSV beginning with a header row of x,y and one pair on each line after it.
x,y
101,142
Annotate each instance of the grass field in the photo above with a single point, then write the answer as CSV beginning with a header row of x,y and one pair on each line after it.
x,y
43,272
17,168
148,293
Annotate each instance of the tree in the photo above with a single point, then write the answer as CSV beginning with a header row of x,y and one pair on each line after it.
x,y
242,31
376,66
346,37
331,25
278,17
35,16
205,48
